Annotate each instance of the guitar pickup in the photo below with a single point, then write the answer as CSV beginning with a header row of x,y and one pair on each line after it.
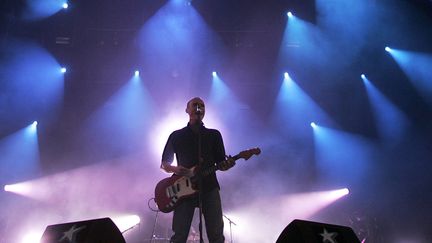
x,y
170,191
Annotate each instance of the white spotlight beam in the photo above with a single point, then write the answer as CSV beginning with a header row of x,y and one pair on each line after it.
x,y
279,211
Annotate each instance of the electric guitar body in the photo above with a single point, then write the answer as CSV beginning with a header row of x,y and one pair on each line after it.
x,y
172,189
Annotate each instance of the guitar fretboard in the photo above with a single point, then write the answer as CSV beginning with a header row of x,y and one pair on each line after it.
x,y
216,167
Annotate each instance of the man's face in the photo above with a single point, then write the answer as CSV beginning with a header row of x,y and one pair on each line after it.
x,y
196,109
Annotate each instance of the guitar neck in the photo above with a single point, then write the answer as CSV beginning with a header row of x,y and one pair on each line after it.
x,y
216,167
243,154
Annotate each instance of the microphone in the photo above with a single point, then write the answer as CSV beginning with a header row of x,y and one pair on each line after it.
x,y
198,109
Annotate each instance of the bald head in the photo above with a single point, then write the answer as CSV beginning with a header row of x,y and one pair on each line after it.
x,y
196,109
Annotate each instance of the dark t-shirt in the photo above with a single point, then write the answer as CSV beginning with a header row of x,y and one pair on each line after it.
x,y
184,143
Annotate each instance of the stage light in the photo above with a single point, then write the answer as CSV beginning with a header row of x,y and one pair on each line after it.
x,y
31,237
63,70
313,125
127,222
340,193
65,5
32,128
19,188
345,191
214,74
137,73
388,49
286,75
365,79
289,14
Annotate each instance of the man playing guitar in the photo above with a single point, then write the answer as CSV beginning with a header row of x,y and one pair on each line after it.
x,y
196,148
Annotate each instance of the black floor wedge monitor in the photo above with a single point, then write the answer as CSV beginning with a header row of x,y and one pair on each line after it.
x,y
101,230
302,231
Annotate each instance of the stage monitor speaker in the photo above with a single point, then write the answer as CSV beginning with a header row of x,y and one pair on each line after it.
x,y
301,231
101,230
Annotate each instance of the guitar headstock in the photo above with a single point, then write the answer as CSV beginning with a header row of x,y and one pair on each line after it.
x,y
246,154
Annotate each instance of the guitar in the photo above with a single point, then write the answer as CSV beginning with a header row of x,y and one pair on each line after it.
x,y
170,191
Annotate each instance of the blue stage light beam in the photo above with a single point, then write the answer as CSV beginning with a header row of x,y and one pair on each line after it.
x,y
33,127
294,109
342,158
219,92
122,122
223,97
313,125
33,73
297,41
42,9
136,77
346,20
175,33
417,67
19,154
227,110
390,121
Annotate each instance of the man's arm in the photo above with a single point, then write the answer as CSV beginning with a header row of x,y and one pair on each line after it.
x,y
168,157
178,170
225,162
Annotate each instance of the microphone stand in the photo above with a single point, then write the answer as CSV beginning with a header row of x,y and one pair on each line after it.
x,y
230,223
200,166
